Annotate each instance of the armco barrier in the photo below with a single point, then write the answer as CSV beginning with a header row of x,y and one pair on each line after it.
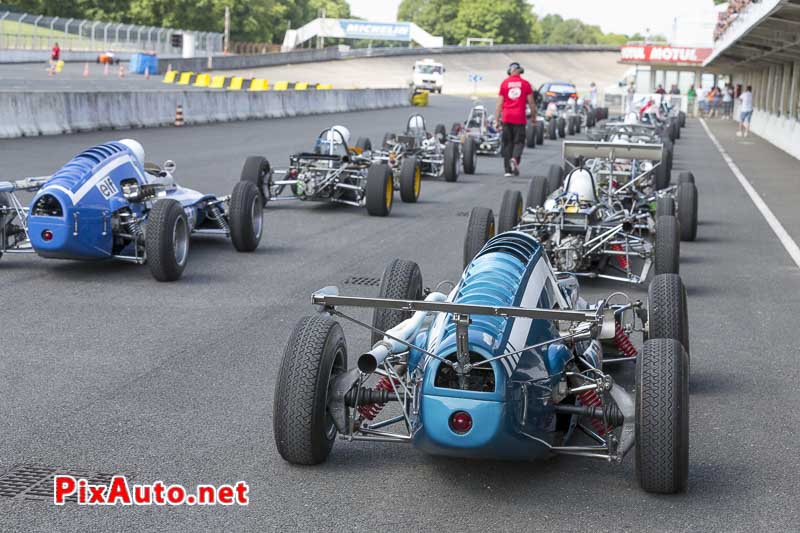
x,y
49,113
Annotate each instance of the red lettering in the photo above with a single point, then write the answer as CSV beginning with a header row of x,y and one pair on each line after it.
x,y
241,493
225,495
141,494
97,494
206,495
158,492
119,491
175,494
63,486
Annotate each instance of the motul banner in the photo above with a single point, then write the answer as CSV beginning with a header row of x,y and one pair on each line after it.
x,y
664,54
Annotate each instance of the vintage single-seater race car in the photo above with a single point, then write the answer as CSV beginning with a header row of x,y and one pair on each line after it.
x,y
480,129
511,364
334,171
418,151
107,203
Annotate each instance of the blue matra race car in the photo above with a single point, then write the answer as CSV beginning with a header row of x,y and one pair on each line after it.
x,y
107,203
511,364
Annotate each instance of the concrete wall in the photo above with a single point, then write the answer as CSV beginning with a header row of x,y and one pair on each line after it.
x,y
51,113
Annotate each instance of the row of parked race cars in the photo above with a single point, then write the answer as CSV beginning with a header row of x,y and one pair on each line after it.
x,y
509,362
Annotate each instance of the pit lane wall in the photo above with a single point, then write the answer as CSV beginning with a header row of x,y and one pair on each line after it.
x,y
52,113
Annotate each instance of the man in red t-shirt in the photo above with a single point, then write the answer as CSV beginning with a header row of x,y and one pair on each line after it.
x,y
55,53
515,93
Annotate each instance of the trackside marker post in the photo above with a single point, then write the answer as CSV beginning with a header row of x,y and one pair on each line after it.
x,y
179,116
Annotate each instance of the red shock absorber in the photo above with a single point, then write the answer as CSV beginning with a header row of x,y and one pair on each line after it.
x,y
371,410
589,398
623,342
621,259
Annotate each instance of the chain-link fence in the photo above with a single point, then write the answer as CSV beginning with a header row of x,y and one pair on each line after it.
x,y
23,31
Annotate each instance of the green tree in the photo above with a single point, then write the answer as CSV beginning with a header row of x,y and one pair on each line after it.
x,y
509,21
434,16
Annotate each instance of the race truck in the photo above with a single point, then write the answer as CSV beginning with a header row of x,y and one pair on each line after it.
x,y
428,75
478,127
509,363
417,152
107,203
333,171
600,223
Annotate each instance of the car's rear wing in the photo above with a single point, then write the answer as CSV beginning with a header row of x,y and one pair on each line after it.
x,y
611,150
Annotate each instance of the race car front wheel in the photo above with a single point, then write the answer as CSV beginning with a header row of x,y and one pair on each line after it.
x,y
167,240
470,155
667,246
552,130
256,170
302,423
451,157
687,209
662,417
410,179
667,311
538,189
511,210
540,131
245,217
562,127
380,190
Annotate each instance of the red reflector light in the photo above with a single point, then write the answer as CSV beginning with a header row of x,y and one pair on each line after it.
x,y
47,235
460,422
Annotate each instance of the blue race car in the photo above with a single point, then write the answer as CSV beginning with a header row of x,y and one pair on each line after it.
x,y
107,203
511,364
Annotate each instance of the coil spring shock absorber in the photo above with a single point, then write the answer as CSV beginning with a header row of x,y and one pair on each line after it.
x,y
589,398
621,259
130,222
623,342
370,411
219,217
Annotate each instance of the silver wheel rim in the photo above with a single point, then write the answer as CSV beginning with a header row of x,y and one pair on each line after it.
x,y
180,240
258,218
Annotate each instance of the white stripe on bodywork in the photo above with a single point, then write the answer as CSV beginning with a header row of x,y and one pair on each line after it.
x,y
530,298
96,178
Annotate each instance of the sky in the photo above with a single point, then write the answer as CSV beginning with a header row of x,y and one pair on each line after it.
x,y
618,16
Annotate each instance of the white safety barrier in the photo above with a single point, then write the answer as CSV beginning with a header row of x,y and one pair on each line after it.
x,y
51,113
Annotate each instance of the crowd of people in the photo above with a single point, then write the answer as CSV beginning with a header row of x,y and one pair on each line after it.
x,y
727,17
715,101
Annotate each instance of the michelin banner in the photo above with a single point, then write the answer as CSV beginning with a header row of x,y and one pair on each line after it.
x,y
386,31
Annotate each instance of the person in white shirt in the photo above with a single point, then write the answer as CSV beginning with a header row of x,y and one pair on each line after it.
x,y
745,112
702,100
727,101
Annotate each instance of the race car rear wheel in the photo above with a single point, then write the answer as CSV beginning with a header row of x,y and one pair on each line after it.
x,y
364,144
555,177
401,280
511,210
380,190
562,127
687,210
470,155
245,217
451,162
538,189
667,310
677,127
256,171
410,179
577,124
540,132
441,133
480,229
571,126
667,246
530,136
456,129
167,240
387,139
552,130
665,205
302,424
662,417
682,119
685,177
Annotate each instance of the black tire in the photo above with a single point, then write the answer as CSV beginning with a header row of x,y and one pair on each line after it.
x,y
673,136
555,177
380,190
441,132
303,428
662,173
386,138
662,417
682,119
677,128
571,126
401,280
6,219
540,132
511,210
685,177
451,162
167,240
577,124
364,144
670,147
410,179
530,136
470,155
687,210
538,189
256,170
552,129
667,246
667,310
665,206
245,217
480,229
561,124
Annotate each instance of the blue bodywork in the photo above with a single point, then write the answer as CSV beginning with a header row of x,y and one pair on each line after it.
x,y
509,271
88,192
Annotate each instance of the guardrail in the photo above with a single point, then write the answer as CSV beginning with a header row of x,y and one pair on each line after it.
x,y
238,83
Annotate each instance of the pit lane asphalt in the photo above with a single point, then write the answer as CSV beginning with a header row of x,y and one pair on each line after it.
x,y
104,369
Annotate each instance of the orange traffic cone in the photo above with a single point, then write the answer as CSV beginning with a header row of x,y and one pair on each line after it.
x,y
52,70
105,70
179,116
86,70
147,73
169,67
121,72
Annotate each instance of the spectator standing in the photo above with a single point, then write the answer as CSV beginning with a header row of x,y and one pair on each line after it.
x,y
660,89
629,96
674,89
727,101
593,94
515,93
55,53
746,112
691,95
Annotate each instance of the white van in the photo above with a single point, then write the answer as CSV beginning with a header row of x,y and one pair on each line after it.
x,y
429,75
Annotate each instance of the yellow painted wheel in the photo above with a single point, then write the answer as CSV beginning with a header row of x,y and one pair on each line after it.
x,y
417,182
389,192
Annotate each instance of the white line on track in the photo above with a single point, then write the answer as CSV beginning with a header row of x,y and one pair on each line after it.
x,y
772,220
